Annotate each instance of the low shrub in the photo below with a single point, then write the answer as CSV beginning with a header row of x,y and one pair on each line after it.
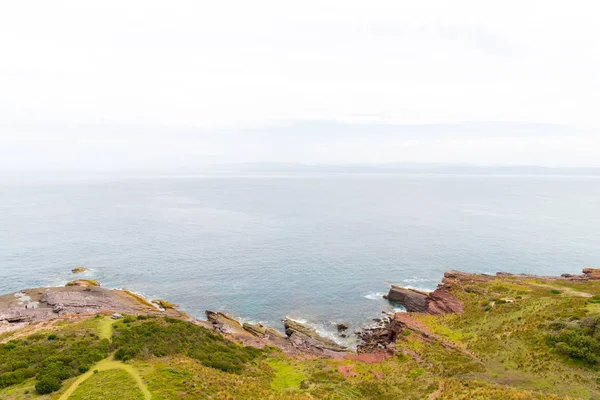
x,y
49,356
579,342
156,338
47,384
594,299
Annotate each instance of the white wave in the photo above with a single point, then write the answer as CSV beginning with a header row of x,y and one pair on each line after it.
x,y
299,320
328,332
419,288
374,296
416,280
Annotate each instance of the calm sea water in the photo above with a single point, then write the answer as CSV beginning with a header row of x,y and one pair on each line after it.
x,y
320,248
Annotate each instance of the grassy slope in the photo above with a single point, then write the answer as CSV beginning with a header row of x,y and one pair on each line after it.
x,y
114,384
496,354
508,341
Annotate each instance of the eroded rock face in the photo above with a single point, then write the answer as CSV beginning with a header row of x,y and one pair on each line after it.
x,y
440,301
413,300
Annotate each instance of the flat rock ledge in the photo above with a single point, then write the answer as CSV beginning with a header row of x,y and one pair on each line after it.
x,y
31,306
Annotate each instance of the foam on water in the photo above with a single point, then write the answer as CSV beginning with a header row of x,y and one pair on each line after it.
x,y
374,296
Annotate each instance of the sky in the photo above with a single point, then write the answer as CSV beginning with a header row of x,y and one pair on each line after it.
x,y
175,84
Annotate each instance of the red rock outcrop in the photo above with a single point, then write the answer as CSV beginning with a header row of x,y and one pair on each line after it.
x,y
440,301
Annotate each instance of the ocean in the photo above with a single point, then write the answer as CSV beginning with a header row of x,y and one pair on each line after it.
x,y
320,248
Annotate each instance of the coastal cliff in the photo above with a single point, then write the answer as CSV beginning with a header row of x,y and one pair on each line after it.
x,y
503,336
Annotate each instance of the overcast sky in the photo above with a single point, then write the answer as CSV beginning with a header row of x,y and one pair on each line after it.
x,y
162,84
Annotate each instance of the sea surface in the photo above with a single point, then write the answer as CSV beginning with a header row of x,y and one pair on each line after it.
x,y
320,248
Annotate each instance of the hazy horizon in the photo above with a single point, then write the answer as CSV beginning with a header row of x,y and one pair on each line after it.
x,y
144,85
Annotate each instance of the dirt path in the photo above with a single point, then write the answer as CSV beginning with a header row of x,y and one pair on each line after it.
x,y
104,365
106,326
105,332
564,290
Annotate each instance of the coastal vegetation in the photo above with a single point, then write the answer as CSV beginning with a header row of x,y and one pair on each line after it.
x,y
516,339
160,337
51,357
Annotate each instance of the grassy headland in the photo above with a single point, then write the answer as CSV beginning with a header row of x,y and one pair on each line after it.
x,y
518,338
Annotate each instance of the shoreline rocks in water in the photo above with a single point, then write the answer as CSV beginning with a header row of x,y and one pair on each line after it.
x,y
299,339
83,283
304,336
79,270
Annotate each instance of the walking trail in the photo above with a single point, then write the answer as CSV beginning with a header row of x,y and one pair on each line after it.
x,y
106,364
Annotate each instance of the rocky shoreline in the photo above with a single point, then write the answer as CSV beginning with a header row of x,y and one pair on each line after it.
x,y
42,306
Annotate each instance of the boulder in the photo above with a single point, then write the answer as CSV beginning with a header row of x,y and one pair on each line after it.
x,y
342,327
79,270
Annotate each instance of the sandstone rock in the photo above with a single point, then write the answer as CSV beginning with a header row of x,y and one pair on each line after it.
x,y
592,273
224,323
440,301
413,300
255,329
274,333
79,270
303,336
164,304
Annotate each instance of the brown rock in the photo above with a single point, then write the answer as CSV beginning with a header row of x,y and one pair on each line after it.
x,y
592,273
304,336
440,301
255,329
413,300
224,323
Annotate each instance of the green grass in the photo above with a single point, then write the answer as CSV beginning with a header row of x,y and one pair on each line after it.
x,y
114,384
288,374
532,344
510,340
105,326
